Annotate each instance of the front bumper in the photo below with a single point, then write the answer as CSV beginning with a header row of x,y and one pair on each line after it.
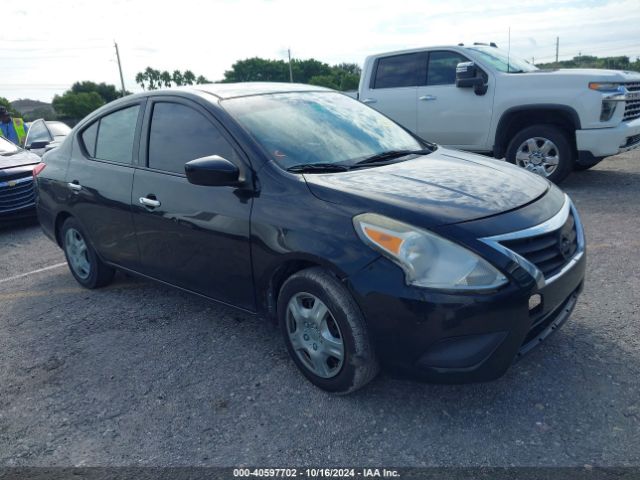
x,y
452,337
604,142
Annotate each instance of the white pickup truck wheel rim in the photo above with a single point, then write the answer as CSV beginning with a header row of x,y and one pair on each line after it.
x,y
538,155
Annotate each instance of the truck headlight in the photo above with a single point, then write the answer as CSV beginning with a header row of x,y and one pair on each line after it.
x,y
604,86
612,93
427,259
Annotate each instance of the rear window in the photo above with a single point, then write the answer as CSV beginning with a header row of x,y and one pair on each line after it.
x,y
400,71
89,136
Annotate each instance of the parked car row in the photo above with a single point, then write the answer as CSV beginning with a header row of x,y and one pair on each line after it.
x,y
17,195
367,244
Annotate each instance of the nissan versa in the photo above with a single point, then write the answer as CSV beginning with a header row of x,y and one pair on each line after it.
x,y
367,244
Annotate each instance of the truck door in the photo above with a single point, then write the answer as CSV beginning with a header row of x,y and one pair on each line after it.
x,y
449,115
392,87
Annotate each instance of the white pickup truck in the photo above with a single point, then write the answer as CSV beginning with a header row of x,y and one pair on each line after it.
x,y
481,99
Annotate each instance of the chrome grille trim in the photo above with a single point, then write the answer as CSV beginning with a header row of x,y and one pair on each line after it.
x,y
554,223
632,103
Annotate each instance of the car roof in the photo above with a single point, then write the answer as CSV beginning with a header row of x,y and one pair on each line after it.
x,y
243,89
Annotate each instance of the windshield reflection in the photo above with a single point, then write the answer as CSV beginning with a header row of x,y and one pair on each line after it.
x,y
317,127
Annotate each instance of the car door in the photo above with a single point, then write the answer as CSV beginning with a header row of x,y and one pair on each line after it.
x,y
450,115
393,86
38,132
99,180
195,237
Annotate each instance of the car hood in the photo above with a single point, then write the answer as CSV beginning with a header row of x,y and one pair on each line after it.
x,y
593,74
18,159
444,187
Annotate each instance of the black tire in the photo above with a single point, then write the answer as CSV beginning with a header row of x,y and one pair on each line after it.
x,y
557,136
581,168
360,364
99,274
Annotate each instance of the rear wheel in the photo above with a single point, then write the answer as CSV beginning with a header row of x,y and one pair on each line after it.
x,y
325,332
542,149
85,266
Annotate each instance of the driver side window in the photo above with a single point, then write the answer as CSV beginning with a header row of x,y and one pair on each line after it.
x,y
442,67
180,134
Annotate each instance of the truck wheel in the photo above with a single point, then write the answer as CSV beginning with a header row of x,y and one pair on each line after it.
x,y
581,168
542,149
325,332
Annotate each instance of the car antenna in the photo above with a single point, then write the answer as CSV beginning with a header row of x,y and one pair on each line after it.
x,y
509,52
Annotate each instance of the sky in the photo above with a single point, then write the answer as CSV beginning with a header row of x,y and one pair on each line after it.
x,y
46,45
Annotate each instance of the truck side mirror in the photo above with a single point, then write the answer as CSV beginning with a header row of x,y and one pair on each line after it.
x,y
468,75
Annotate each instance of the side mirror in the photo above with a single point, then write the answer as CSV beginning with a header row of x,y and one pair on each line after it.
x,y
213,171
469,76
37,145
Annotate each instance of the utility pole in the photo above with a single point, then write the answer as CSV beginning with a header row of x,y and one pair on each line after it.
x,y
290,70
557,48
119,68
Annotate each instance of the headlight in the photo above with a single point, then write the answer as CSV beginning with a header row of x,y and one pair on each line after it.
x,y
604,86
427,259
612,93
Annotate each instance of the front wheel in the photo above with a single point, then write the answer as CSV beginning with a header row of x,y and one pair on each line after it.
x,y
325,332
542,149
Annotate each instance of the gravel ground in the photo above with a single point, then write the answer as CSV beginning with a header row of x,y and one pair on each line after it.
x,y
140,374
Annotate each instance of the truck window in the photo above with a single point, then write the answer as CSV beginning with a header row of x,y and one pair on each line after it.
x,y
442,67
399,71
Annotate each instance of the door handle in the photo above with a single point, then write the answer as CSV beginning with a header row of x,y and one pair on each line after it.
x,y
75,186
427,98
149,202
369,100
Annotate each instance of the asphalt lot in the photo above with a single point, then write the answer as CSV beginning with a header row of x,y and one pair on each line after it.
x,y
140,374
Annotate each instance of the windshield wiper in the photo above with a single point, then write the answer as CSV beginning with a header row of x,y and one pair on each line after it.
x,y
390,155
318,168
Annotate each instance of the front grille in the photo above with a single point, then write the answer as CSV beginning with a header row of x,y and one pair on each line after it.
x,y
550,251
16,194
632,107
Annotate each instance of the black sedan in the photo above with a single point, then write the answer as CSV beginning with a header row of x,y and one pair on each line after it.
x,y
368,245
17,195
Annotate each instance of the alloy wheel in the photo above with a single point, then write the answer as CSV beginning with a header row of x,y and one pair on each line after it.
x,y
538,155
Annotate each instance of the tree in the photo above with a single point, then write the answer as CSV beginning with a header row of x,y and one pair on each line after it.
x,y
177,78
152,79
188,77
344,76
72,105
109,93
7,104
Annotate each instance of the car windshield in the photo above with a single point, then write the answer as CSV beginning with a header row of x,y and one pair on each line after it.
x,y
7,147
318,128
503,61
58,129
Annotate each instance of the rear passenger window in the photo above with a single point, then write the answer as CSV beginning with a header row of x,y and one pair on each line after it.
x,y
89,139
442,67
180,134
116,134
400,71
